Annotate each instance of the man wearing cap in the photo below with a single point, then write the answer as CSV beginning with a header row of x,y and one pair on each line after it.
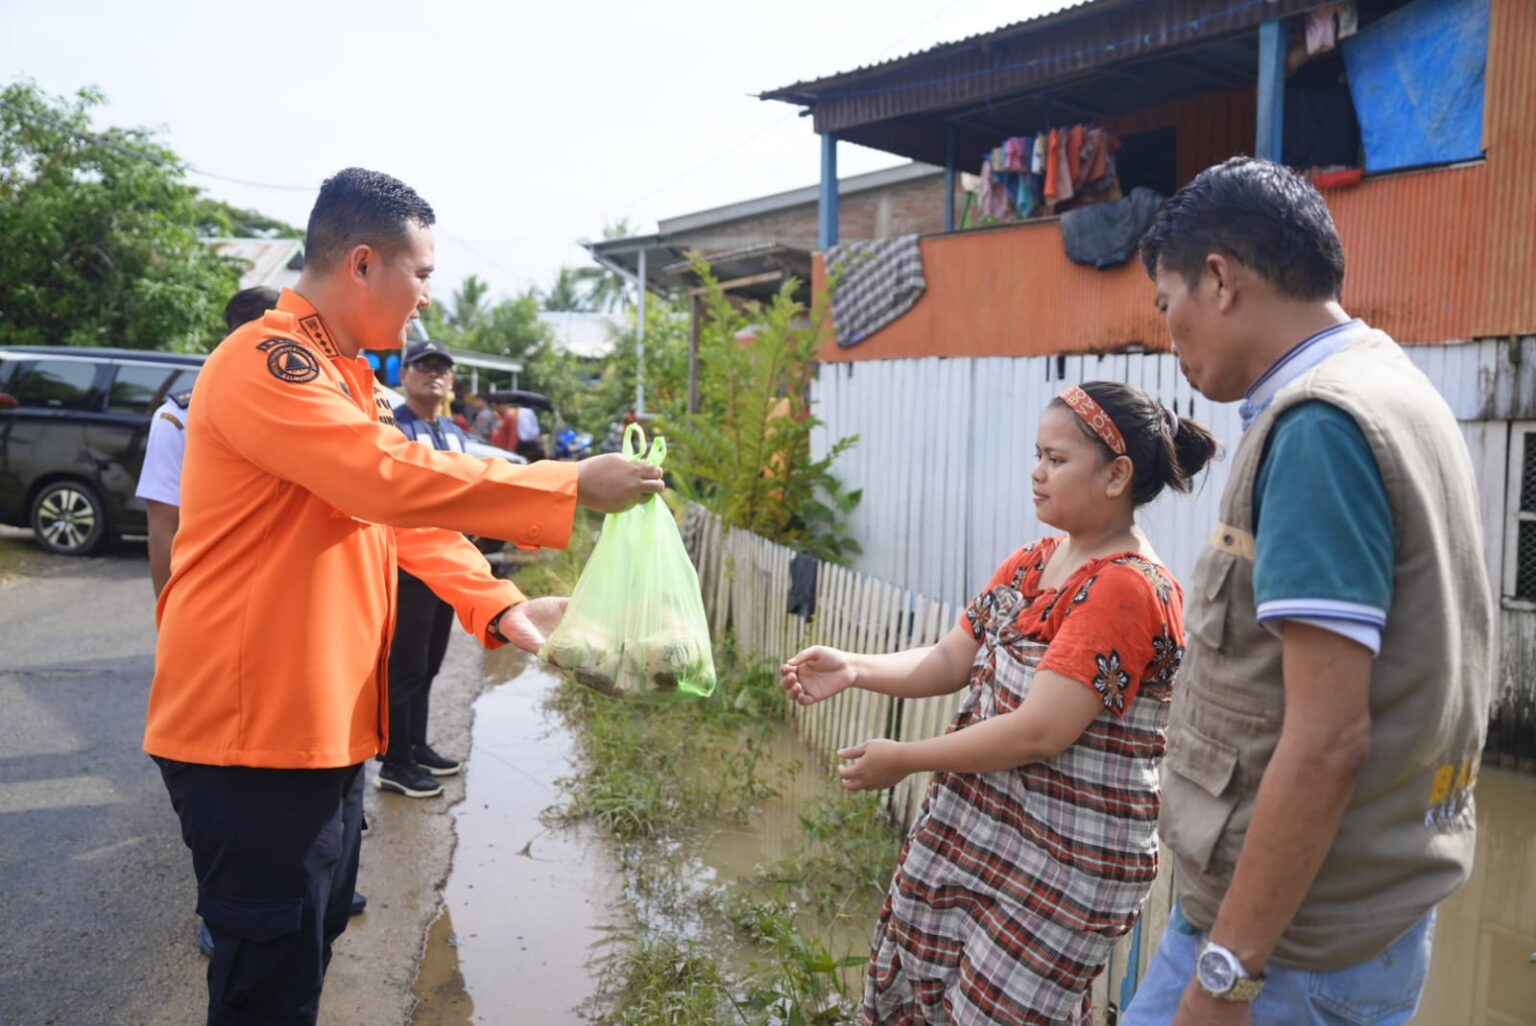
x,y
422,620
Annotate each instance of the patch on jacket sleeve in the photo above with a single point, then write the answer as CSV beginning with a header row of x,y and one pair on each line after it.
x,y
290,361
167,415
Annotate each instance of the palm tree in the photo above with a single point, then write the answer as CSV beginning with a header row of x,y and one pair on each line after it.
x,y
605,290
566,293
469,304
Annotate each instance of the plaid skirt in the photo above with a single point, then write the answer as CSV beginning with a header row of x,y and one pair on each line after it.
x,y
982,924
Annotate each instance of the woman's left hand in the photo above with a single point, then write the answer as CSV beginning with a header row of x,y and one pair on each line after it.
x,y
876,765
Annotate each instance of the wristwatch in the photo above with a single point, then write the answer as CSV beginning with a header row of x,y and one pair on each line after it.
x,y
494,627
1222,975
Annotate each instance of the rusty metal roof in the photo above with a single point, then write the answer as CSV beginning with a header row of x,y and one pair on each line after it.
x,y
1086,61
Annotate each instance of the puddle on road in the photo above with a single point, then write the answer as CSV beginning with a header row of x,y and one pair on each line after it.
x,y
1485,935
526,907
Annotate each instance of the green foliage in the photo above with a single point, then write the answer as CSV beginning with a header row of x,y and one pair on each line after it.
x,y
471,321
666,364
746,453
665,980
802,982
565,293
101,232
219,220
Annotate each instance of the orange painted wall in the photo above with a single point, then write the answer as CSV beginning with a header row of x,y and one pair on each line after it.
x,y
1433,256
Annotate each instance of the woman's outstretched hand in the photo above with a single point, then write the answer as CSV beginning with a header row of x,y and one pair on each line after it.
x,y
817,673
873,766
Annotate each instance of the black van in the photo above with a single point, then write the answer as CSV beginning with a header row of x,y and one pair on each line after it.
x,y
73,423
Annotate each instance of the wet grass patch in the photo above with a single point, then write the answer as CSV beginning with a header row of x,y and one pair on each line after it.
x,y
782,943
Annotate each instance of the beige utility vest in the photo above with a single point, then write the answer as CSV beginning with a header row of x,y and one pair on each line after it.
x,y
1408,835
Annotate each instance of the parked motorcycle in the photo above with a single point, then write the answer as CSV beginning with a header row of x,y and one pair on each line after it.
x,y
571,444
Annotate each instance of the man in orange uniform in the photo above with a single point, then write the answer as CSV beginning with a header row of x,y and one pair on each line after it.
x,y
299,500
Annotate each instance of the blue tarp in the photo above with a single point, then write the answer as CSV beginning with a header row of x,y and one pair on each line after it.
x,y
1417,81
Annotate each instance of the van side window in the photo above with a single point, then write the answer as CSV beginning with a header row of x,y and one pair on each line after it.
x,y
58,385
140,388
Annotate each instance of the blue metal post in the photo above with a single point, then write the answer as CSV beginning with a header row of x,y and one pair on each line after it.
x,y
827,235
949,178
1271,91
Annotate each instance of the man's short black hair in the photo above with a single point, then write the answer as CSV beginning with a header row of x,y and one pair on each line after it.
x,y
249,304
359,207
1264,215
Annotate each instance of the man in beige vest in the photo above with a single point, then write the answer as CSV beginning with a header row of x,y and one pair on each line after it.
x,y
1327,721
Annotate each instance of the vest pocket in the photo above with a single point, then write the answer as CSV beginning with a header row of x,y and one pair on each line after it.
x,y
1198,796
1206,617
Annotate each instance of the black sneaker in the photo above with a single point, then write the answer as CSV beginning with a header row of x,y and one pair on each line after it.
x,y
410,780
437,765
359,902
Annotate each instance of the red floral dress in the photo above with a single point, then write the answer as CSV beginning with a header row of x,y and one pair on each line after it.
x,y
1013,885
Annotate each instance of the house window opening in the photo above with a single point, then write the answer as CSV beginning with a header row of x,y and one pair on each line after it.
x,y
1525,523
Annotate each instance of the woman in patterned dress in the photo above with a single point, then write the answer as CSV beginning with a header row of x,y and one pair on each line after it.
x,y
1035,846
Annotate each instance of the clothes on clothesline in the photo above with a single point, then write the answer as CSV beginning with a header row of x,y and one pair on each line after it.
x,y
1046,173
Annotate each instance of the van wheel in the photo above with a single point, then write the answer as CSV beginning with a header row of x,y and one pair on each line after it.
x,y
68,518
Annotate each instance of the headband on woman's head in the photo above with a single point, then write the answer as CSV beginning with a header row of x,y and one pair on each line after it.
x,y
1082,404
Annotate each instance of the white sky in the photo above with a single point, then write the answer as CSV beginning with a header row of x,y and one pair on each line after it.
x,y
526,126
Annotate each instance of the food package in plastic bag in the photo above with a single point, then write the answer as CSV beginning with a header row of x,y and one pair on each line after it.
x,y
636,623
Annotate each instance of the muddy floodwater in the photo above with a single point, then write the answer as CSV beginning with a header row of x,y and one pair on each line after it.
x,y
1485,935
526,908
531,909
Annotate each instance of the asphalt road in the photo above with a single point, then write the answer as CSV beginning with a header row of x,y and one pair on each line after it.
x,y
95,884
96,893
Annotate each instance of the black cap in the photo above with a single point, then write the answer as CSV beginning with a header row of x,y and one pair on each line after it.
x,y
423,349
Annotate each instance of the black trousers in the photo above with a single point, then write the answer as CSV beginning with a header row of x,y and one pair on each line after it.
x,y
422,625
275,853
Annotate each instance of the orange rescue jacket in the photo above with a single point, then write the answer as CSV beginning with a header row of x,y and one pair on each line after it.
x,y
299,500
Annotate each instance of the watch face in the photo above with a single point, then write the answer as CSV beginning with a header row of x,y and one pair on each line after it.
x,y
1216,973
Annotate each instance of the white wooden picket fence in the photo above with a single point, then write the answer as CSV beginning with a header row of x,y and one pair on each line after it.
x,y
745,582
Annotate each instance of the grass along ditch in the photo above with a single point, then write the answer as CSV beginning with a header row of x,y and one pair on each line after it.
x,y
751,881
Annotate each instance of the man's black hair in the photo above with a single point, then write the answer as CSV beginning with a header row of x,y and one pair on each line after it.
x,y
249,304
1263,215
359,207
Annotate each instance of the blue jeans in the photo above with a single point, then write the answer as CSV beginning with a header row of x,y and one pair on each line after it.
x,y
1382,992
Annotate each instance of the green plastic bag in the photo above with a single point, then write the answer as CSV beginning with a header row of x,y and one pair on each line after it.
x,y
636,624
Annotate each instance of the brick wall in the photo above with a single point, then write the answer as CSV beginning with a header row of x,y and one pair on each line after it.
x,y
901,209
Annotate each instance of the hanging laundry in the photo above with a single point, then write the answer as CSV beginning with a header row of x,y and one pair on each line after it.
x,y
1053,167
1106,234
1064,190
877,282
1075,154
1024,198
803,570
1331,25
1037,157
993,194
1014,157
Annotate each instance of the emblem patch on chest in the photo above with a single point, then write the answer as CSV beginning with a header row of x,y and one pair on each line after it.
x,y
291,362
386,411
